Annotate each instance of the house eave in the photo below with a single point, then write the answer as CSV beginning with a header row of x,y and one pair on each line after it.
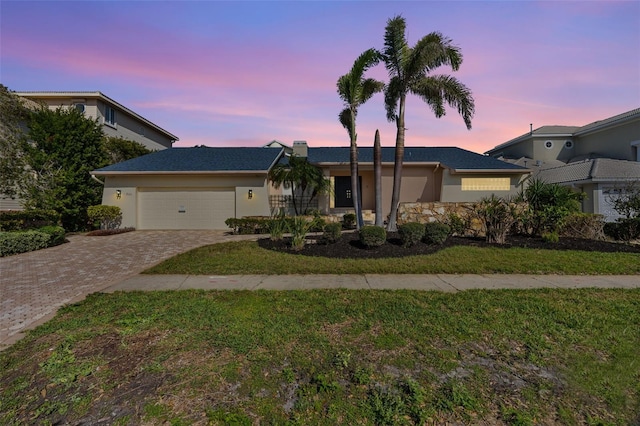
x,y
491,171
182,172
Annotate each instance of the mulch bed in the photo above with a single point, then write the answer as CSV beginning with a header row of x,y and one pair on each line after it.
x,y
349,246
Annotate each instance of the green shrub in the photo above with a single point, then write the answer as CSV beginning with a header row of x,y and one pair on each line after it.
x,y
22,241
349,220
436,233
498,215
411,233
317,224
107,217
14,220
457,225
277,228
550,237
372,236
583,225
332,232
299,227
623,229
55,232
249,225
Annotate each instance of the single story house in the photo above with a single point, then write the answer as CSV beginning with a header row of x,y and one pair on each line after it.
x,y
200,187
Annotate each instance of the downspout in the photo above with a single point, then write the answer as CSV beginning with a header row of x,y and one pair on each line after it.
x,y
97,180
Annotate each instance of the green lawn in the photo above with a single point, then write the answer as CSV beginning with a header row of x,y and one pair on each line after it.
x,y
331,357
247,257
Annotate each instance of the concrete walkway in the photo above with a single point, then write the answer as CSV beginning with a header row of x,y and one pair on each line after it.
x,y
34,285
439,282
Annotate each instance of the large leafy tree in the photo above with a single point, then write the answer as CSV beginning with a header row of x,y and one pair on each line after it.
x,y
410,71
119,149
305,180
13,115
354,90
62,147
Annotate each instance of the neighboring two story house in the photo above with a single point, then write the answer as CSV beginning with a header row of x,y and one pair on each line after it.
x,y
116,119
599,159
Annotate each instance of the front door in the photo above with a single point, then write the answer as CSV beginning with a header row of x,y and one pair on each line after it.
x,y
344,196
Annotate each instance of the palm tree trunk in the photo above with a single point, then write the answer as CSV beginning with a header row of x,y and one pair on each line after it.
x,y
377,171
397,168
355,187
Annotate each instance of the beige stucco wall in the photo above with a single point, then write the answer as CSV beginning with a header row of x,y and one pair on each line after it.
x,y
452,189
258,205
613,142
557,152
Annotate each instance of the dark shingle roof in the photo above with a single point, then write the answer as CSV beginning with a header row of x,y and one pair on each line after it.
x,y
451,157
598,169
200,159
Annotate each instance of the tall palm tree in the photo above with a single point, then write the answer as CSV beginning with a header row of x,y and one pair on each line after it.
x,y
409,71
355,90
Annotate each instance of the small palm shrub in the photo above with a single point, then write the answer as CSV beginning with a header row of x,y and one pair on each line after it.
x,y
299,227
372,236
332,232
457,225
277,228
436,233
411,233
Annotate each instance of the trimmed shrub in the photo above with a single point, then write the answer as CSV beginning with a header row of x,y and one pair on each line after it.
x,y
457,225
436,233
249,225
411,233
372,236
349,220
332,232
583,225
107,217
13,220
55,232
22,242
623,229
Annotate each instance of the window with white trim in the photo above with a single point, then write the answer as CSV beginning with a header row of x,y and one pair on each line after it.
x,y
486,184
110,115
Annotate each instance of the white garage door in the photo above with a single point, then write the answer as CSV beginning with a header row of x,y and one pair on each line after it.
x,y
185,208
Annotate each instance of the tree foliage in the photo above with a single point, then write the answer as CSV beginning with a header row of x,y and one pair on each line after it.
x,y
13,114
119,149
305,179
410,71
62,148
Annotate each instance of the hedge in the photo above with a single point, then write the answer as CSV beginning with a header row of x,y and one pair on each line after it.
x,y
18,220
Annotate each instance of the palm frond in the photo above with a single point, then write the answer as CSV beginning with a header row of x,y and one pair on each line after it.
x,y
396,48
435,90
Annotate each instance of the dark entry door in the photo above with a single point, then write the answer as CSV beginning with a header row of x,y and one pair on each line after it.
x,y
344,196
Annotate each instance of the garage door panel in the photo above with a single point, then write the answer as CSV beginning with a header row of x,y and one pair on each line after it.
x,y
185,209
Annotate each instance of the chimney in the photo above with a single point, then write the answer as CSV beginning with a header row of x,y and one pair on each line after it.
x,y
300,149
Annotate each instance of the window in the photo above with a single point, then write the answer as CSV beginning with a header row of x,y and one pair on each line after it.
x,y
568,144
548,144
110,116
80,107
486,184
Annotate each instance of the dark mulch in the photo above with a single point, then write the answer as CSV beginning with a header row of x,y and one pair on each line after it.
x,y
349,247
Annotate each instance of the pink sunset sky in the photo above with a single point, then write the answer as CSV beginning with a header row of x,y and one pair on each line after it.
x,y
245,73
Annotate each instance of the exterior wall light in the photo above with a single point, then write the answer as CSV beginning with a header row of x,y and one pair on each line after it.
x,y
250,194
118,194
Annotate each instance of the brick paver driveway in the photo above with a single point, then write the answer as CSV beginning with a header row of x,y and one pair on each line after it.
x,y
34,285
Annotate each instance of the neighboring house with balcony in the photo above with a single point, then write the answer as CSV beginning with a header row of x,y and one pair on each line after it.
x,y
201,187
116,119
599,159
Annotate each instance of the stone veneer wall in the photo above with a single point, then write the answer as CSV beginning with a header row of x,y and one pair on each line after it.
x,y
431,212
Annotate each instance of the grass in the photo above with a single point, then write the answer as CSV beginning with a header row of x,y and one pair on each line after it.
x,y
247,257
515,357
